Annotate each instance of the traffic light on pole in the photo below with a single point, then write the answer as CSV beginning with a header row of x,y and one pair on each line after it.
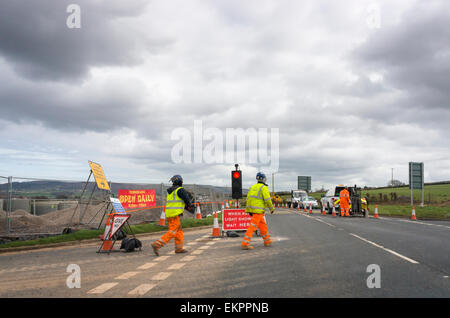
x,y
236,183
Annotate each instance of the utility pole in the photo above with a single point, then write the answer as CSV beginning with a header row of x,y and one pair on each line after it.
x,y
273,182
392,177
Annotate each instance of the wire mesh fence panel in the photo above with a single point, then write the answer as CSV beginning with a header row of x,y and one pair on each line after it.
x,y
31,206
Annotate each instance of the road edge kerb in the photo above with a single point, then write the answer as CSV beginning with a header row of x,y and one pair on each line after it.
x,y
87,241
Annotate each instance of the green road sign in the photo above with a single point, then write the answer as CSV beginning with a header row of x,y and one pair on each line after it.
x,y
304,183
416,178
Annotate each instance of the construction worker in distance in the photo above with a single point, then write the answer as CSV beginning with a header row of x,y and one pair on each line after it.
x,y
344,201
177,201
258,198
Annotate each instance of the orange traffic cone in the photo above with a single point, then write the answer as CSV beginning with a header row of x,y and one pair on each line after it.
x,y
376,212
333,213
413,213
323,210
162,218
216,230
304,207
107,242
298,207
198,213
310,208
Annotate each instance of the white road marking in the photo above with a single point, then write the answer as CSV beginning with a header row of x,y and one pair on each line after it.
x,y
386,249
102,288
204,247
162,258
161,276
210,243
324,222
192,243
197,252
176,266
146,265
127,275
141,289
418,222
187,258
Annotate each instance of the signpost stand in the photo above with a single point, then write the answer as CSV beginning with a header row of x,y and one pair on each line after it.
x,y
100,184
117,220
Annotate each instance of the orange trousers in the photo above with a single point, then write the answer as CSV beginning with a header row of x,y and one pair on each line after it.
x,y
175,231
257,222
344,209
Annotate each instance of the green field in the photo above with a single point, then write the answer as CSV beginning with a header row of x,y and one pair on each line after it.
x,y
435,194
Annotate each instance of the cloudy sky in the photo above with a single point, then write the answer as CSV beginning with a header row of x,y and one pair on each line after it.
x,y
354,88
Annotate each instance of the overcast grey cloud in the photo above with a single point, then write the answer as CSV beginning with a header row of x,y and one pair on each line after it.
x,y
351,102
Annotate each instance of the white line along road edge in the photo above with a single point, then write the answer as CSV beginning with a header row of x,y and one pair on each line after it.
x,y
386,249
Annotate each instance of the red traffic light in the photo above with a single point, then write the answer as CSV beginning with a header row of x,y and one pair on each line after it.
x,y
236,174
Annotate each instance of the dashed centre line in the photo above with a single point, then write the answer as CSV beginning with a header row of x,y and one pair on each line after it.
x,y
127,275
176,266
161,276
142,289
102,288
147,266
162,258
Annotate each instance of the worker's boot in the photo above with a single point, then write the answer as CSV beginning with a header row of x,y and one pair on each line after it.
x,y
247,247
268,243
342,213
156,248
180,250
347,214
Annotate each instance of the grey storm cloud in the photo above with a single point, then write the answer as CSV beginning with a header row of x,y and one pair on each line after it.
x,y
413,57
138,69
38,43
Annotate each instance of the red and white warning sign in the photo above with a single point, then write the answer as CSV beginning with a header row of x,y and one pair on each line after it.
x,y
235,220
118,220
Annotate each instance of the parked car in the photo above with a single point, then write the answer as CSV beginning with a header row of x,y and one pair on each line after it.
x,y
309,201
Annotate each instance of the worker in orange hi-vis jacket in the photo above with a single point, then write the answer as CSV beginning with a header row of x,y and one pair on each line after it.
x,y
344,201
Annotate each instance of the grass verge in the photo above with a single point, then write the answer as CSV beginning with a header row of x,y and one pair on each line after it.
x,y
427,212
91,234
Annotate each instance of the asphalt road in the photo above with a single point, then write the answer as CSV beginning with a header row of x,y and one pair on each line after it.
x,y
312,256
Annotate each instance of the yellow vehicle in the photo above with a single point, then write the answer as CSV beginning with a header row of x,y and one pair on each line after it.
x,y
364,204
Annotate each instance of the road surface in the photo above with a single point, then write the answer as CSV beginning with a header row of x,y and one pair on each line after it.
x,y
312,256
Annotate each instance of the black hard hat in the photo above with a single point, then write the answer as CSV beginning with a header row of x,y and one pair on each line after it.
x,y
177,179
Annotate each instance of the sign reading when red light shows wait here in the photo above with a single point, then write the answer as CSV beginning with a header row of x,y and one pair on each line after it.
x,y
235,220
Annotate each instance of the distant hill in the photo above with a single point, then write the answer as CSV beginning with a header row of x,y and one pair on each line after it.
x,y
53,189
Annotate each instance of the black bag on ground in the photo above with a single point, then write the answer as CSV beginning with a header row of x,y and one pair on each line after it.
x,y
130,244
119,235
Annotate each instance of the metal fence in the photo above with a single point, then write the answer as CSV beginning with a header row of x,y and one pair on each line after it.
x,y
31,207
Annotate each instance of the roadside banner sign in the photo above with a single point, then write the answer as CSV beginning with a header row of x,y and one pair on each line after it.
x,y
117,206
235,220
99,175
136,199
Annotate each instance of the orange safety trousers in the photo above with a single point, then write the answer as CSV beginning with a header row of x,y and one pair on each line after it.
x,y
175,231
344,209
257,222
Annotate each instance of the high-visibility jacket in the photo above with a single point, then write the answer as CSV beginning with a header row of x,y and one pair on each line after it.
x,y
344,197
258,198
174,204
